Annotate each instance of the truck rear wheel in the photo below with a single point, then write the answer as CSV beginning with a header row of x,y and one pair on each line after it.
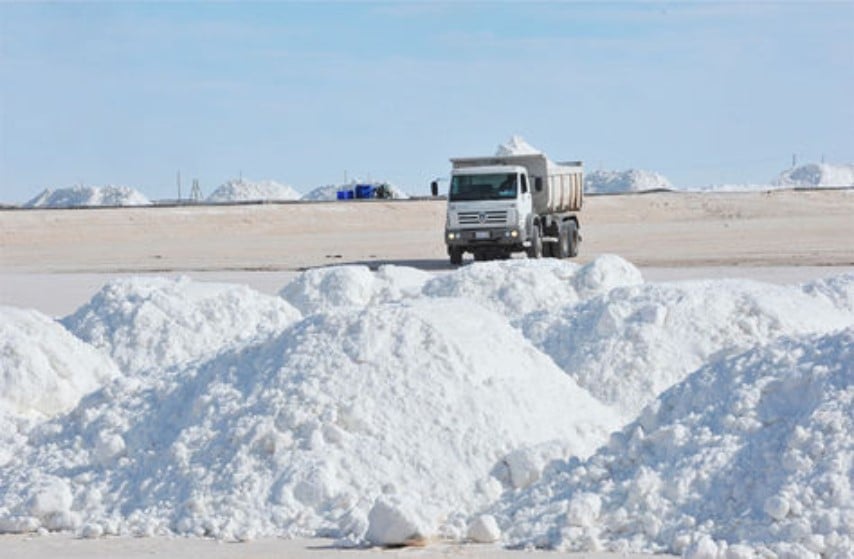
x,y
572,239
563,242
456,255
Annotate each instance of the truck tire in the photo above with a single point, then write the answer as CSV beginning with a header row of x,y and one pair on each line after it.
x,y
456,255
563,242
536,248
572,239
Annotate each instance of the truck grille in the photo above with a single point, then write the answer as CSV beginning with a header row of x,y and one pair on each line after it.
x,y
495,217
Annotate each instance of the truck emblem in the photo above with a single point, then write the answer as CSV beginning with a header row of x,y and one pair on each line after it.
x,y
481,217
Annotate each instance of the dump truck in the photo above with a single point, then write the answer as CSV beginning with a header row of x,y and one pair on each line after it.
x,y
500,205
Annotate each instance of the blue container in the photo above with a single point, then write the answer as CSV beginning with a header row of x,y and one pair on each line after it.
x,y
344,194
364,191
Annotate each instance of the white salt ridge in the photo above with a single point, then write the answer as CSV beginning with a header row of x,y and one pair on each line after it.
x,y
82,196
817,175
412,405
749,455
631,343
155,322
352,286
518,287
244,190
633,180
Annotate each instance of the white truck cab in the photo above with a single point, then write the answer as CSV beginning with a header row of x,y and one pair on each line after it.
x,y
505,204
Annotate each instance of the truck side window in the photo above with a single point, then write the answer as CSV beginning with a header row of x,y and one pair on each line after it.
x,y
524,184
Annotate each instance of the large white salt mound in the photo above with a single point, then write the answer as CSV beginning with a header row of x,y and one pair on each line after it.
x,y
81,196
515,288
631,343
516,145
44,370
817,175
633,180
750,456
243,190
399,409
155,322
352,286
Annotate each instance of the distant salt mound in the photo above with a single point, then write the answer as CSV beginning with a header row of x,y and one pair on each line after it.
x,y
322,193
633,180
330,192
749,456
817,175
515,288
243,190
44,369
378,425
352,286
516,145
83,196
150,322
631,343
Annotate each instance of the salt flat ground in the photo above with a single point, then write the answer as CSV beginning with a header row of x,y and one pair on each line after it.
x,y
54,260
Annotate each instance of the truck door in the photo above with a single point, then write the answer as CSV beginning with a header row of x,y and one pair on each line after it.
x,y
524,204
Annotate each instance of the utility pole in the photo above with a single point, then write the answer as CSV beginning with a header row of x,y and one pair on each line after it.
x,y
179,186
794,160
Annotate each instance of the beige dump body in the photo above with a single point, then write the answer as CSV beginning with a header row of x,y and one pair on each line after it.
x,y
562,184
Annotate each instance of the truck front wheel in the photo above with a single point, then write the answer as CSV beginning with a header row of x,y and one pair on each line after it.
x,y
536,248
456,255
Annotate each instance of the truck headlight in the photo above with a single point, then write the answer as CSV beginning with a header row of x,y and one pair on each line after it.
x,y
451,235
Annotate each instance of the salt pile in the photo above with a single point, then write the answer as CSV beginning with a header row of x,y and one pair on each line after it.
x,y
817,175
750,454
330,192
397,406
516,145
392,414
322,193
243,190
629,344
152,322
633,180
44,370
83,196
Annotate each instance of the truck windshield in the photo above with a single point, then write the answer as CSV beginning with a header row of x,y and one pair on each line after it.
x,y
483,187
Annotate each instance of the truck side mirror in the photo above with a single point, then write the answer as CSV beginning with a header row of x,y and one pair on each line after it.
x,y
538,184
434,188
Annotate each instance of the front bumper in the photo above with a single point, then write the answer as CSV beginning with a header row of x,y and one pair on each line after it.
x,y
490,236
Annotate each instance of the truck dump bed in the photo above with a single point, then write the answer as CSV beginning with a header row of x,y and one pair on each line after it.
x,y
562,184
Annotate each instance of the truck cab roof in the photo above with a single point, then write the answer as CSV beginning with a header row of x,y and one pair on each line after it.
x,y
489,170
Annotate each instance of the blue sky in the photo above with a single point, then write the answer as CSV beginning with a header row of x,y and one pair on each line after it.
x,y
302,93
